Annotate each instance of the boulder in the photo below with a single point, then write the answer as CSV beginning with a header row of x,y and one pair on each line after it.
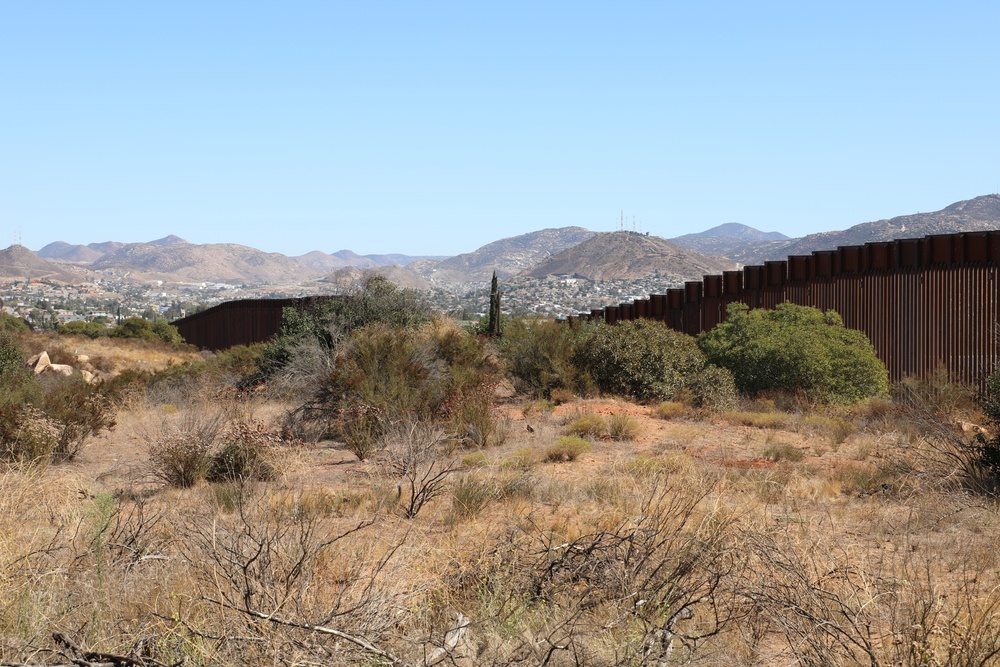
x,y
39,362
62,369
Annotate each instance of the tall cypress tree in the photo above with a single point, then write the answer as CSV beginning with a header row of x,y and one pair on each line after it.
x,y
493,328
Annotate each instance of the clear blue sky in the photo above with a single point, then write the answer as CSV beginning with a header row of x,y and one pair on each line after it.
x,y
433,128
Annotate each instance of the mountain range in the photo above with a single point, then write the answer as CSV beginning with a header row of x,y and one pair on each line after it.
x,y
560,251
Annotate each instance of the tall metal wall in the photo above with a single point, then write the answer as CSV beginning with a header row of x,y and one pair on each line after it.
x,y
922,302
241,322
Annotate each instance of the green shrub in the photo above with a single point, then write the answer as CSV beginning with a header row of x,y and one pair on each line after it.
x,y
713,388
539,357
567,448
796,349
641,359
587,425
139,329
13,324
12,358
81,328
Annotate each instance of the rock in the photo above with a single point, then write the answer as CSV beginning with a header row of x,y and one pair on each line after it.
x,y
62,369
88,377
82,359
39,362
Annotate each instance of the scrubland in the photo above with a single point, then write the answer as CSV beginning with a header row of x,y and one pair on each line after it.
x,y
219,524
759,536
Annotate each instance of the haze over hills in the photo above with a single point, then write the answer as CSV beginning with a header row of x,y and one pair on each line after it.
x,y
628,256
507,257
347,258
534,254
211,262
399,275
728,240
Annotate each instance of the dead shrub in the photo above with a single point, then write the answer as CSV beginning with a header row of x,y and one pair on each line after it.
x,y
181,451
248,450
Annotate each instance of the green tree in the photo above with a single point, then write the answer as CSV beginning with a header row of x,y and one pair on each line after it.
x,y
642,359
798,349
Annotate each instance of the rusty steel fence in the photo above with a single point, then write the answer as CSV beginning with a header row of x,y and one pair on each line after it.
x,y
241,322
922,302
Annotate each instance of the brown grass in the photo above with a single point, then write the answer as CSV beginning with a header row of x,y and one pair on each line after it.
x,y
862,553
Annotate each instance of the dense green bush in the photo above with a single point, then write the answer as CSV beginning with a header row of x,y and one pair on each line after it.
x,y
11,323
140,329
642,359
539,356
713,388
796,349
81,328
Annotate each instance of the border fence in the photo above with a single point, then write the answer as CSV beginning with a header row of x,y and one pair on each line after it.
x,y
241,322
922,302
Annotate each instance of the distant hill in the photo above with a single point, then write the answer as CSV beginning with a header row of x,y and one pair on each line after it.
x,y
168,240
972,215
65,252
508,256
729,240
628,256
346,258
210,262
399,275
19,262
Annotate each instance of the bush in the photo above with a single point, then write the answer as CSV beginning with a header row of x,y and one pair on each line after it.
x,y
782,451
75,411
181,452
641,359
248,451
385,375
670,409
587,425
13,324
623,427
46,420
139,329
81,328
373,300
566,448
539,357
796,349
713,388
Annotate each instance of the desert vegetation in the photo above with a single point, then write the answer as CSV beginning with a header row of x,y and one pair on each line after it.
x,y
378,486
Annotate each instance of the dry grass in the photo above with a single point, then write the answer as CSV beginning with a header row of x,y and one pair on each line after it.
x,y
733,531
